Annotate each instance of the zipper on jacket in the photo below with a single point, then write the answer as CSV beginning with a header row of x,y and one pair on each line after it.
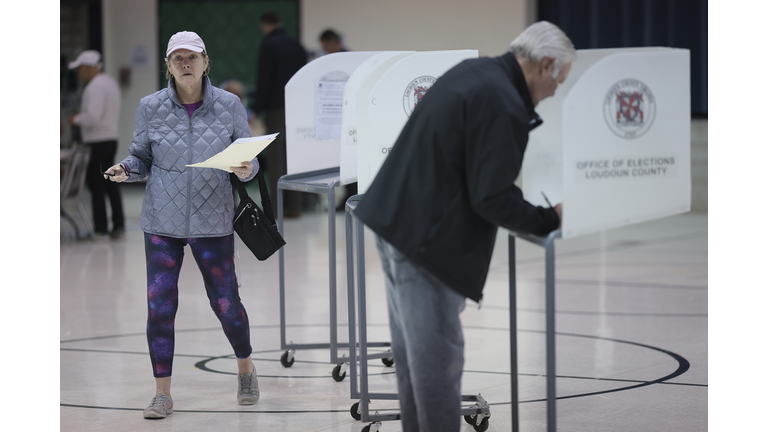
x,y
189,183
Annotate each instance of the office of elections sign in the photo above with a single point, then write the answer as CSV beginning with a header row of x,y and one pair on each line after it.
x,y
615,144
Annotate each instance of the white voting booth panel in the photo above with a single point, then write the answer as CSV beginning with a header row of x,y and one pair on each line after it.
x,y
385,102
313,109
615,144
368,72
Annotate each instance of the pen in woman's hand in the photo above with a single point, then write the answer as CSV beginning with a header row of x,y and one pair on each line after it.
x,y
101,170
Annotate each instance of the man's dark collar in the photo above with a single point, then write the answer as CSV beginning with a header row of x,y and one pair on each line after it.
x,y
517,77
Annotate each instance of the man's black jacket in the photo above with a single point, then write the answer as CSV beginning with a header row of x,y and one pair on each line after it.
x,y
449,181
280,57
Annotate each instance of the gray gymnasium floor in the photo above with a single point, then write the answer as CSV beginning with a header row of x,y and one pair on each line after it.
x,y
632,324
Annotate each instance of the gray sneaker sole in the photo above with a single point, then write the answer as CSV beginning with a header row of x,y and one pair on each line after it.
x,y
247,400
157,414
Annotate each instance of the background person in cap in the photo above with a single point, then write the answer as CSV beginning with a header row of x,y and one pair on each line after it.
x,y
98,119
437,202
186,123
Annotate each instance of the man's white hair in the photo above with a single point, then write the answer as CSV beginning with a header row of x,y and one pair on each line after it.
x,y
544,39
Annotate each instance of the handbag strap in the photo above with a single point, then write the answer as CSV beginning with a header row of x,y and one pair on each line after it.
x,y
266,203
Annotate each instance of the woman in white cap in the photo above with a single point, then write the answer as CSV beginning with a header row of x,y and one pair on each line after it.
x,y
188,122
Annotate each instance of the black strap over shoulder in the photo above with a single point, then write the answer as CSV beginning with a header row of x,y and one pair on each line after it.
x,y
266,203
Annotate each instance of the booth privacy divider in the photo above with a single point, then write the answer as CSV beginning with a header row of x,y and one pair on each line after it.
x,y
614,147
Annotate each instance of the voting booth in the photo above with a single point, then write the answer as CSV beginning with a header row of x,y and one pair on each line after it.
x,y
327,125
313,107
344,112
379,99
367,74
313,111
385,103
614,147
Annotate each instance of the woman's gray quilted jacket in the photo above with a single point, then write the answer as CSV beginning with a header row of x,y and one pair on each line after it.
x,y
181,201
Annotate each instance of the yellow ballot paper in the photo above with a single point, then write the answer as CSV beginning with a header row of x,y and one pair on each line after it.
x,y
243,149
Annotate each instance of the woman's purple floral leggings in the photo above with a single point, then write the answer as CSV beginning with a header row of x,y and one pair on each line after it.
x,y
215,258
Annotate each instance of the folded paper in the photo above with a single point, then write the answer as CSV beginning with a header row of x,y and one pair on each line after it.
x,y
243,149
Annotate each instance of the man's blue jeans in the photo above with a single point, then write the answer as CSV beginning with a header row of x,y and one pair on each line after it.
x,y
427,343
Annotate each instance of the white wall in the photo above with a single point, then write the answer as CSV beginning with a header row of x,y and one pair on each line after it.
x,y
126,26
421,25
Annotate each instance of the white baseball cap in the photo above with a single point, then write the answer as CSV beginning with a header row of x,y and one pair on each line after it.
x,y
185,40
88,58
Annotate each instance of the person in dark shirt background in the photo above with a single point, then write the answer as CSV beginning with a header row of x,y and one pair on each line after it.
x,y
280,56
331,42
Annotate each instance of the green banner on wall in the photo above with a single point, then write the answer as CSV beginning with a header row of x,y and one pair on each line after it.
x,y
230,31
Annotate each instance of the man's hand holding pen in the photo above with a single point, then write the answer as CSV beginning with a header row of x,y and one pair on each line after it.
x,y
558,208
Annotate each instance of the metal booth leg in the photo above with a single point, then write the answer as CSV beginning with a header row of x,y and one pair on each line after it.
x,y
281,267
513,336
351,304
549,246
332,271
362,332
550,302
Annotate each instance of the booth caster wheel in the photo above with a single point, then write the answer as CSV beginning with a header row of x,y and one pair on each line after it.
x,y
287,358
388,362
373,427
338,373
482,427
355,411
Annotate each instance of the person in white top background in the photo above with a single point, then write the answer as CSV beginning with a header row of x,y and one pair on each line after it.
x,y
98,120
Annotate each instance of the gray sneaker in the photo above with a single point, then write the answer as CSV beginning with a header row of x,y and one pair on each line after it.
x,y
161,406
248,389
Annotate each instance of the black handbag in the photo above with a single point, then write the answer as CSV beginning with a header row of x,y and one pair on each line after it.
x,y
256,228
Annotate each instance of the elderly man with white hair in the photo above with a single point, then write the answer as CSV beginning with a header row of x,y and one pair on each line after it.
x,y
437,202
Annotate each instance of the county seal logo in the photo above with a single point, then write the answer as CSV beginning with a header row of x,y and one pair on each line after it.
x,y
629,108
415,91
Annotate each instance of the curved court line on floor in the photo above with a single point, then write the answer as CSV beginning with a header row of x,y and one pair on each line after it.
x,y
203,367
625,244
683,366
628,284
622,284
637,262
204,329
591,313
210,411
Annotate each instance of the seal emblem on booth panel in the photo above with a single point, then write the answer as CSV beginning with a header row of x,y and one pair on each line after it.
x,y
629,108
415,91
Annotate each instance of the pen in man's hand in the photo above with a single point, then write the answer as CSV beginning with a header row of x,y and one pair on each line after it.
x,y
547,199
